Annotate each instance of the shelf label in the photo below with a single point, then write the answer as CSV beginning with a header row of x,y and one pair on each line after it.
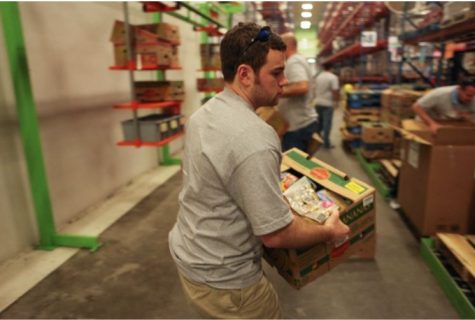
x,y
368,39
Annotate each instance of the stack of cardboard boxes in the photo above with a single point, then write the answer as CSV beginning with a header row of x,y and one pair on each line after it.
x,y
437,182
356,204
152,45
361,106
210,61
377,140
397,105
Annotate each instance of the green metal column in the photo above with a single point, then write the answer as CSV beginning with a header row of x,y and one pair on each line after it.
x,y
167,159
30,136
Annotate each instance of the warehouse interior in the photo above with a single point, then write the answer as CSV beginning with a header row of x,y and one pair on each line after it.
x,y
86,206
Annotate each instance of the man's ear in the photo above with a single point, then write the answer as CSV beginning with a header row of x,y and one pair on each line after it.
x,y
245,74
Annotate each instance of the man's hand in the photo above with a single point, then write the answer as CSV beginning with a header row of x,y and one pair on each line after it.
x,y
338,229
434,127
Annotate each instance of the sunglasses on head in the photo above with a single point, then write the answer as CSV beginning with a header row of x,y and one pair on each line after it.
x,y
262,36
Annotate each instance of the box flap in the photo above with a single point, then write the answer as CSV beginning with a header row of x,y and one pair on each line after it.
x,y
326,176
451,132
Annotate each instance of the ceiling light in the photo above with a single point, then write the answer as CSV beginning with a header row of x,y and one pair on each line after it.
x,y
307,6
305,24
306,14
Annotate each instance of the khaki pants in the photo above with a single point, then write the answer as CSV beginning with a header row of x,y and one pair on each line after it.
x,y
258,301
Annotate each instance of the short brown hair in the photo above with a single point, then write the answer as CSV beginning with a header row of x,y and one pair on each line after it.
x,y
237,40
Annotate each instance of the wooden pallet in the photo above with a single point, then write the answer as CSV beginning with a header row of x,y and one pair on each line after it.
x,y
356,120
457,19
389,167
460,253
348,135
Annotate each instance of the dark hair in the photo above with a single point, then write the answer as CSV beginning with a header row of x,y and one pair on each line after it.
x,y
234,43
327,66
467,82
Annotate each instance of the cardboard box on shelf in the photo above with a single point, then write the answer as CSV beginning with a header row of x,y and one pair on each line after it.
x,y
147,49
163,31
210,56
144,55
436,183
156,91
204,84
377,132
356,201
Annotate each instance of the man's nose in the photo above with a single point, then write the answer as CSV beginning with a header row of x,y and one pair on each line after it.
x,y
284,81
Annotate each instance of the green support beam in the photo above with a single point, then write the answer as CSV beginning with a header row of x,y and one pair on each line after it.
x,y
30,136
371,169
455,295
166,159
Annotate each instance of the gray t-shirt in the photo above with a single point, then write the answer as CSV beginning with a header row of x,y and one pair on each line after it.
x,y
230,194
296,110
440,105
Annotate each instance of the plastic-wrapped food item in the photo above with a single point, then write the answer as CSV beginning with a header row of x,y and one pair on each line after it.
x,y
305,201
286,180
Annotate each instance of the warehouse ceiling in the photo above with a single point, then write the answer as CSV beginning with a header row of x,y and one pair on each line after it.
x,y
287,16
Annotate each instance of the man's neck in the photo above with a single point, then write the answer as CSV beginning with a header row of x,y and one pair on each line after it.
x,y
239,90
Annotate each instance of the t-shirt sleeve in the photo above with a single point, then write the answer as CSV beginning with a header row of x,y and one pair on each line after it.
x,y
254,185
429,100
335,83
295,72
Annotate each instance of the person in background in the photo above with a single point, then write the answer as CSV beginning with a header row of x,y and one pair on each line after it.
x,y
297,94
231,203
326,100
447,103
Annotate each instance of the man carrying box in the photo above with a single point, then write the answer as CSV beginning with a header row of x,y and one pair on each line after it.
x,y
447,103
231,203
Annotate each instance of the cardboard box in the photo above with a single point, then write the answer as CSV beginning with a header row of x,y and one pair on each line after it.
x,y
214,84
144,55
377,132
155,91
273,118
436,183
357,203
451,132
147,49
163,31
210,56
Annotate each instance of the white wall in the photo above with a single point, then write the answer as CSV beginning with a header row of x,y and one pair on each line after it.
x,y
69,53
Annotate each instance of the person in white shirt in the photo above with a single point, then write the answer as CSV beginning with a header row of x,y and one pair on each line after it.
x,y
447,103
295,102
327,97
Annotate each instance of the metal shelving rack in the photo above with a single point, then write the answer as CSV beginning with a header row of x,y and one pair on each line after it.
x,y
460,32
358,17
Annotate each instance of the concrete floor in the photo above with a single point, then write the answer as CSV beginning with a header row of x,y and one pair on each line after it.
x,y
133,276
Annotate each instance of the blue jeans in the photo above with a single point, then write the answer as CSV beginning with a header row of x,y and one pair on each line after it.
x,y
325,119
299,139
